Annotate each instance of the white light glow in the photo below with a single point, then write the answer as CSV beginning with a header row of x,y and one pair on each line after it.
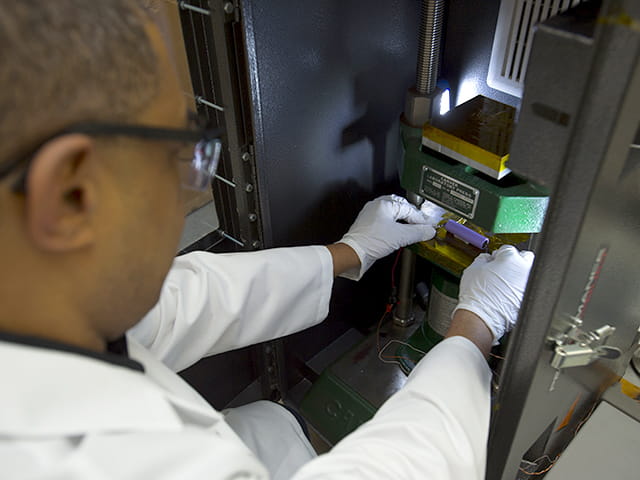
x,y
445,101
468,89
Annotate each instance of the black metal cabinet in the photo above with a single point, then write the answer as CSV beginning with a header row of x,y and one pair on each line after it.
x,y
312,94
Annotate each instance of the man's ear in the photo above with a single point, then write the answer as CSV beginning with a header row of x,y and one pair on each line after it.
x,y
61,194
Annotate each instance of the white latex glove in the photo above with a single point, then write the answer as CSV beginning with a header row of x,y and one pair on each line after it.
x,y
492,287
376,232
433,212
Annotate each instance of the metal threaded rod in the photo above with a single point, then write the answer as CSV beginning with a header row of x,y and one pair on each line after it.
x,y
403,314
432,17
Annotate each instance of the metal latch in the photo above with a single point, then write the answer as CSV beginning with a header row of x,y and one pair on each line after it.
x,y
576,348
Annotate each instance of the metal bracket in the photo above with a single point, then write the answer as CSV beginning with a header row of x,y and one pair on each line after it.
x,y
274,380
575,347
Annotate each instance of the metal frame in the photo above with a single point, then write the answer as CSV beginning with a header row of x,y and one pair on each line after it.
x,y
215,50
215,45
255,102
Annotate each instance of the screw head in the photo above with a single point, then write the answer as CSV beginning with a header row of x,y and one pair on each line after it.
x,y
246,156
248,188
255,244
253,217
228,7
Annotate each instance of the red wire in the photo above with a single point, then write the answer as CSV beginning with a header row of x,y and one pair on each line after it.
x,y
386,311
558,456
389,306
533,474
393,269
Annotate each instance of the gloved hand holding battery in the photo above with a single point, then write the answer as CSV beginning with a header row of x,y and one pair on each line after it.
x,y
492,287
377,233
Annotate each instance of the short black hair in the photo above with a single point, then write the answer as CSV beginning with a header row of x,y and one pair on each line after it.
x,y
67,61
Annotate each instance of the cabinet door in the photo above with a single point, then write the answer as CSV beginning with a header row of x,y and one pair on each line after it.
x,y
585,131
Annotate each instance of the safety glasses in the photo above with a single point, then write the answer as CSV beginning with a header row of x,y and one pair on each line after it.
x,y
202,164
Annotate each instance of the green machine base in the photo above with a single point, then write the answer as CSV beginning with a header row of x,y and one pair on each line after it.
x,y
423,340
443,298
334,408
350,391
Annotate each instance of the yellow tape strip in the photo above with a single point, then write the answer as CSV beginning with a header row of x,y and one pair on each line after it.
x,y
630,390
474,152
623,19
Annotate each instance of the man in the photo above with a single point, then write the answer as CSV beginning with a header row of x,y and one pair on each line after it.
x,y
90,216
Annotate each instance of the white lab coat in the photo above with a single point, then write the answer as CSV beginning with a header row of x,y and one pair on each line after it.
x,y
64,415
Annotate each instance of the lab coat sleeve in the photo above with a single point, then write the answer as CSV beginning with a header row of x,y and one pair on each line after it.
x,y
435,427
212,303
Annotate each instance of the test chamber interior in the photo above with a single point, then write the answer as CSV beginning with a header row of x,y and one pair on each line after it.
x,y
318,98
316,103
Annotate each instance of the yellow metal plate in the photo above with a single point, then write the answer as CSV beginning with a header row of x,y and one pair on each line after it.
x,y
454,257
477,133
466,149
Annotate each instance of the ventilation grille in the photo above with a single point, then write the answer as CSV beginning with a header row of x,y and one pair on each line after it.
x,y
513,38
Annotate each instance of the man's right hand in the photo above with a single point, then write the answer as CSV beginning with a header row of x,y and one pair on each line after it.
x,y
492,288
377,231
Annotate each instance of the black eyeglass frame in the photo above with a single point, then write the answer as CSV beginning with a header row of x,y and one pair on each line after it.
x,y
111,129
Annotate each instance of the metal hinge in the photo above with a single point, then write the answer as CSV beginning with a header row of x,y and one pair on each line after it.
x,y
232,7
574,347
273,377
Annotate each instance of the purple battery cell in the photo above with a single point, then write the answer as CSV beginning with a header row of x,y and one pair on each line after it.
x,y
466,234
